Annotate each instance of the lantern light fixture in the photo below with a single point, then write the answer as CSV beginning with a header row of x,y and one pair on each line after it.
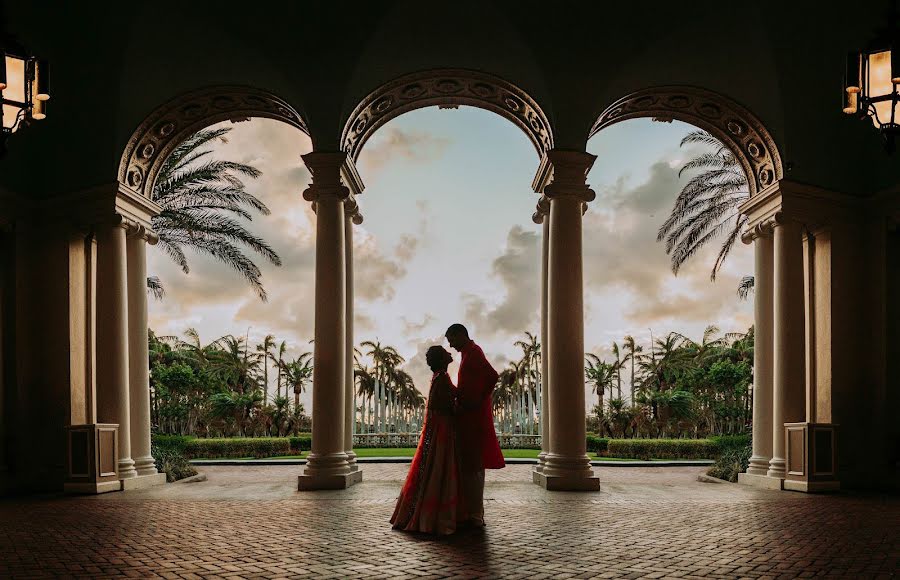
x,y
24,89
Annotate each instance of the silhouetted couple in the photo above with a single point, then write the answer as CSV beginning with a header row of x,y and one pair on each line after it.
x,y
444,489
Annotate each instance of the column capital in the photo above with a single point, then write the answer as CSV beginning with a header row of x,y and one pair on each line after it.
x,y
138,230
351,210
325,168
541,210
762,229
563,173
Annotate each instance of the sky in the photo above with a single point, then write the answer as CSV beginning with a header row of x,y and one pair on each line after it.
x,y
448,237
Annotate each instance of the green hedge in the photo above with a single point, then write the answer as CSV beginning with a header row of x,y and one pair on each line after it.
x,y
663,448
727,442
300,443
597,444
733,460
257,447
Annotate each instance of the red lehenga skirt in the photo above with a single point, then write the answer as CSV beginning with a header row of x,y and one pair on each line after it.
x,y
430,497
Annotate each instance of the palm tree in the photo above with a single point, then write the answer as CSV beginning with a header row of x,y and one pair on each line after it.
x,y
201,199
599,374
633,350
265,349
529,368
234,364
707,206
297,374
279,365
746,287
617,367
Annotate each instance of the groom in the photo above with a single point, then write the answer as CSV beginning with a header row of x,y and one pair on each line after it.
x,y
478,447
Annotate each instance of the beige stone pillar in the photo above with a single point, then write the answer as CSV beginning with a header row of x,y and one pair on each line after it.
x,y
789,357
138,353
113,400
763,351
353,217
327,466
567,465
542,216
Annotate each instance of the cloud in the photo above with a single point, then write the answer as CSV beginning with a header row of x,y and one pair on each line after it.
x,y
623,260
418,368
518,270
413,328
413,146
376,273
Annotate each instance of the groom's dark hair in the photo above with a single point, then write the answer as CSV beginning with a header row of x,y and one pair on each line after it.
x,y
457,329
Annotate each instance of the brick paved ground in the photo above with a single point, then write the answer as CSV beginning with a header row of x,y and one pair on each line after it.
x,y
644,523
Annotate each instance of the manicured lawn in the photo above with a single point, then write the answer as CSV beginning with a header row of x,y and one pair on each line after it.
x,y
384,451
410,451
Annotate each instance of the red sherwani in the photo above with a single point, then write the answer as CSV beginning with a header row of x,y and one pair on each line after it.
x,y
478,446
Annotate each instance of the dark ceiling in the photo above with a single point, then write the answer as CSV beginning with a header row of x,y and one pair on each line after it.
x,y
113,63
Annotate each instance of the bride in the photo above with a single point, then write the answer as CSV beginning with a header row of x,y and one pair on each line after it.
x,y
430,501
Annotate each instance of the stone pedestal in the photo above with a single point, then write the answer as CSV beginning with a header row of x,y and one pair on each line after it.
x,y
143,481
811,457
760,481
319,482
92,453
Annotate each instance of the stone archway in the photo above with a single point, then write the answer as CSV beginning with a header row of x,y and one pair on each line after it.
x,y
741,131
446,87
170,124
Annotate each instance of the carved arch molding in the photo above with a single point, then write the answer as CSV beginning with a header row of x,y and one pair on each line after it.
x,y
446,87
732,124
166,127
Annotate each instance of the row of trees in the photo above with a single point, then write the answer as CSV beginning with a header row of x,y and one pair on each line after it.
x,y
678,387
222,387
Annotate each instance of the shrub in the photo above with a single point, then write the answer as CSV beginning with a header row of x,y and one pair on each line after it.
x,y
663,448
176,442
303,442
727,442
257,447
169,460
733,460
597,444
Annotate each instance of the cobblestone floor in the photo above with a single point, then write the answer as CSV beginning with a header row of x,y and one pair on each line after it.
x,y
644,523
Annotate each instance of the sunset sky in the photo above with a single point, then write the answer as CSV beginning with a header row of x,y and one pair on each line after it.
x,y
448,237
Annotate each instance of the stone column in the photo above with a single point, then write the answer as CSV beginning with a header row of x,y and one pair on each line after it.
x,y
352,217
327,466
789,358
566,465
762,353
139,354
542,216
113,400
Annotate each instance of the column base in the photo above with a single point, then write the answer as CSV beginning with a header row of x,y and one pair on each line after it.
x,y
145,466
566,483
93,487
758,465
760,481
319,482
351,460
777,468
811,486
143,481
542,460
126,469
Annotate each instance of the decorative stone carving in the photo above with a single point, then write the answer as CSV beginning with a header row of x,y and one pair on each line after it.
x,y
170,124
726,120
446,88
541,210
